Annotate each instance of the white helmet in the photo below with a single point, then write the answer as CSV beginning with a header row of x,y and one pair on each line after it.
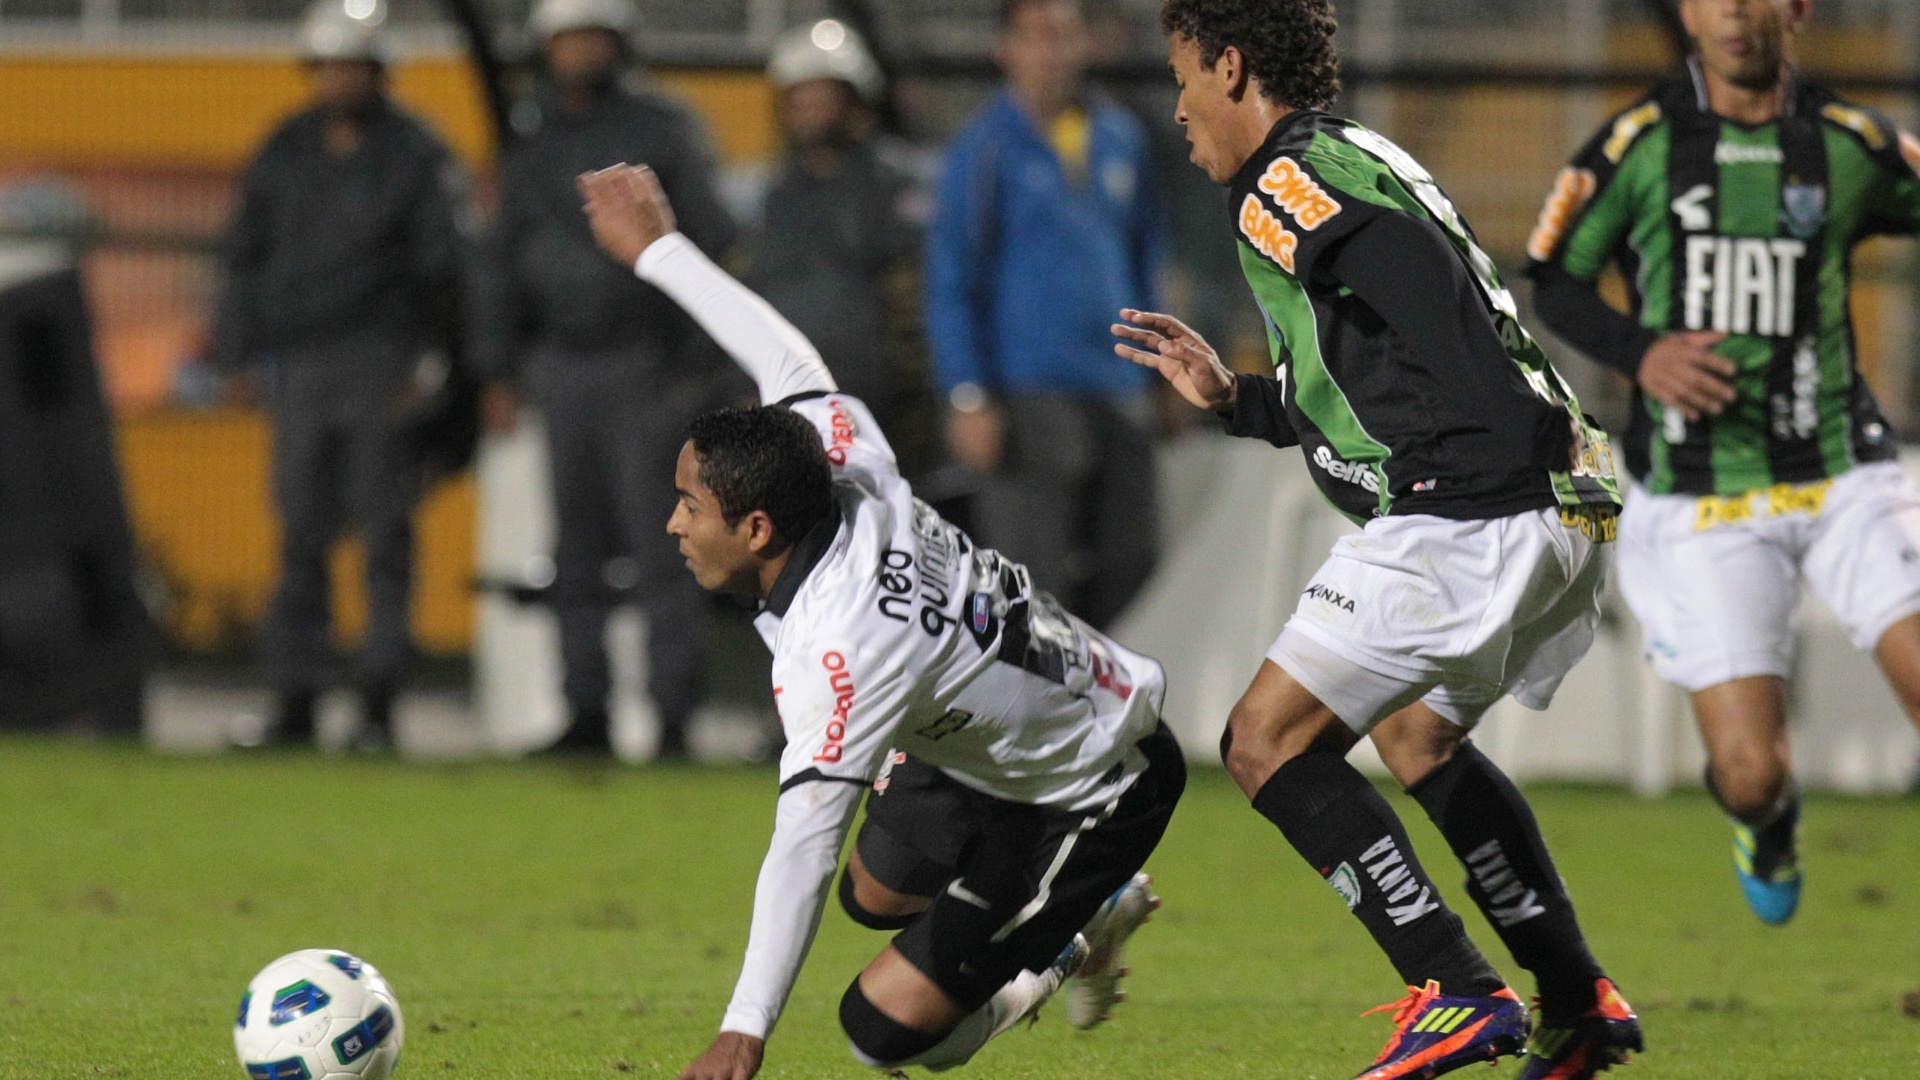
x,y
344,30
552,17
828,49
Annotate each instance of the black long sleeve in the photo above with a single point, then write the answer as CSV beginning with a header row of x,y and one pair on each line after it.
x,y
1407,271
1260,412
1575,311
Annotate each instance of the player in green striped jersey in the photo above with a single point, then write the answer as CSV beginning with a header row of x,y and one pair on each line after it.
x,y
1732,200
1427,415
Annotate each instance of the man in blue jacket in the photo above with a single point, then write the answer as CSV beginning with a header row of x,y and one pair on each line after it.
x,y
1045,221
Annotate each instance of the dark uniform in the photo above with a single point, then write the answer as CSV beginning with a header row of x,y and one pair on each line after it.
x,y
1464,418
341,273
839,255
611,362
1748,229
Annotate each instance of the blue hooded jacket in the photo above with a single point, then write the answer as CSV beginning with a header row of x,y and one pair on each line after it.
x,y
1027,270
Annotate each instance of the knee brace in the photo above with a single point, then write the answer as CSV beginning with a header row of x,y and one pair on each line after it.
x,y
878,1039
868,919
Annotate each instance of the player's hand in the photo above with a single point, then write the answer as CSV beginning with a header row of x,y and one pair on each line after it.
x,y
732,1056
1181,356
627,210
977,437
1681,371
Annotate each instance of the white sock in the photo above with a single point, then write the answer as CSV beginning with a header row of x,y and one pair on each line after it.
x,y
1011,1002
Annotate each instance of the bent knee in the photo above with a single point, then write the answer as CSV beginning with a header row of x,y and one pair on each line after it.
x,y
1257,743
879,1041
1748,782
875,906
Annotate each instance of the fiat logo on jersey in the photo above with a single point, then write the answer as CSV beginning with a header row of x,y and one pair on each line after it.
x,y
841,680
840,432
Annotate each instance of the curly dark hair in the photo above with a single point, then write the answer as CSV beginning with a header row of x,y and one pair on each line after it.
x,y
1288,44
764,458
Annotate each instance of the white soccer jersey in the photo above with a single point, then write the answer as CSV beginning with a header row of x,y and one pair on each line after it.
x,y
889,627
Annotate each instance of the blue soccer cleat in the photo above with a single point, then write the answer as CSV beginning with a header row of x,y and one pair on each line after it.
x,y
1436,1033
1094,990
1769,872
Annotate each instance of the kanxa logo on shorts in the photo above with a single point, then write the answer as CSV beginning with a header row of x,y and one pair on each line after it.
x,y
1322,593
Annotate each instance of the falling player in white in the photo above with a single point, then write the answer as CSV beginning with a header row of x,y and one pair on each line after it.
x,y
890,628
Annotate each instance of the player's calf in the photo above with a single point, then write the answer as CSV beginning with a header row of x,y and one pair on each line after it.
x,y
883,1042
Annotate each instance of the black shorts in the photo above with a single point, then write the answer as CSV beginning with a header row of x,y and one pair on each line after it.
x,y
1011,883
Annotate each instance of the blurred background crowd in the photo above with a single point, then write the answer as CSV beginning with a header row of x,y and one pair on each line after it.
x,y
322,419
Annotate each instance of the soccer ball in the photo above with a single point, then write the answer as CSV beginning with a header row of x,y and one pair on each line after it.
x,y
318,1014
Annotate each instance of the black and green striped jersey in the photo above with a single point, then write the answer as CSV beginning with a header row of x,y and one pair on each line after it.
x,y
1402,370
1747,229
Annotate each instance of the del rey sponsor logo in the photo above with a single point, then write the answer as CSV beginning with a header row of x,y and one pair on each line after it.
x,y
1297,194
841,680
1264,231
1570,192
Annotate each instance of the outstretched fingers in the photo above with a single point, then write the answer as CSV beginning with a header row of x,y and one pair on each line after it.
x,y
1150,345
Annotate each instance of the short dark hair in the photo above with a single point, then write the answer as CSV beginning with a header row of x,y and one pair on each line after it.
x,y
766,458
1288,44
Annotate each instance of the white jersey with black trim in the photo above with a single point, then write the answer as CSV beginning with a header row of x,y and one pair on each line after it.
x,y
892,628
889,628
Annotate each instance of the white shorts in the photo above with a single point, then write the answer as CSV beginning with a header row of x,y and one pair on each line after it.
x,y
1714,579
1456,613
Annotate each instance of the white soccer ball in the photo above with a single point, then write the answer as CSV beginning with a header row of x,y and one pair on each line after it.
x,y
318,1014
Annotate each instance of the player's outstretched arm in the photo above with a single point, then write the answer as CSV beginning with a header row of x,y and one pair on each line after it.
x,y
811,820
633,222
1180,355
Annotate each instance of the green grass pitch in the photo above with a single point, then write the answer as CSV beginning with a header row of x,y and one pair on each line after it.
x,y
546,922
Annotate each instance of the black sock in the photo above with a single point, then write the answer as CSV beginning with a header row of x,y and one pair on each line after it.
x,y
1491,828
1773,828
1345,830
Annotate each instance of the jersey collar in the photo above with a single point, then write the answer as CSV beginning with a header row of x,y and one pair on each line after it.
x,y
806,555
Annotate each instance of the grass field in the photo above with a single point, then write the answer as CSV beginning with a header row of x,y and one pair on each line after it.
x,y
544,921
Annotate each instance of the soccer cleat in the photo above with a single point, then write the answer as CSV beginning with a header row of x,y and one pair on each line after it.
x,y
1436,1033
1769,870
1582,1048
1042,985
1095,988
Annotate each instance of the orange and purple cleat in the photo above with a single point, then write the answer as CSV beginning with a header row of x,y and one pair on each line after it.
x,y
1437,1033
1583,1047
